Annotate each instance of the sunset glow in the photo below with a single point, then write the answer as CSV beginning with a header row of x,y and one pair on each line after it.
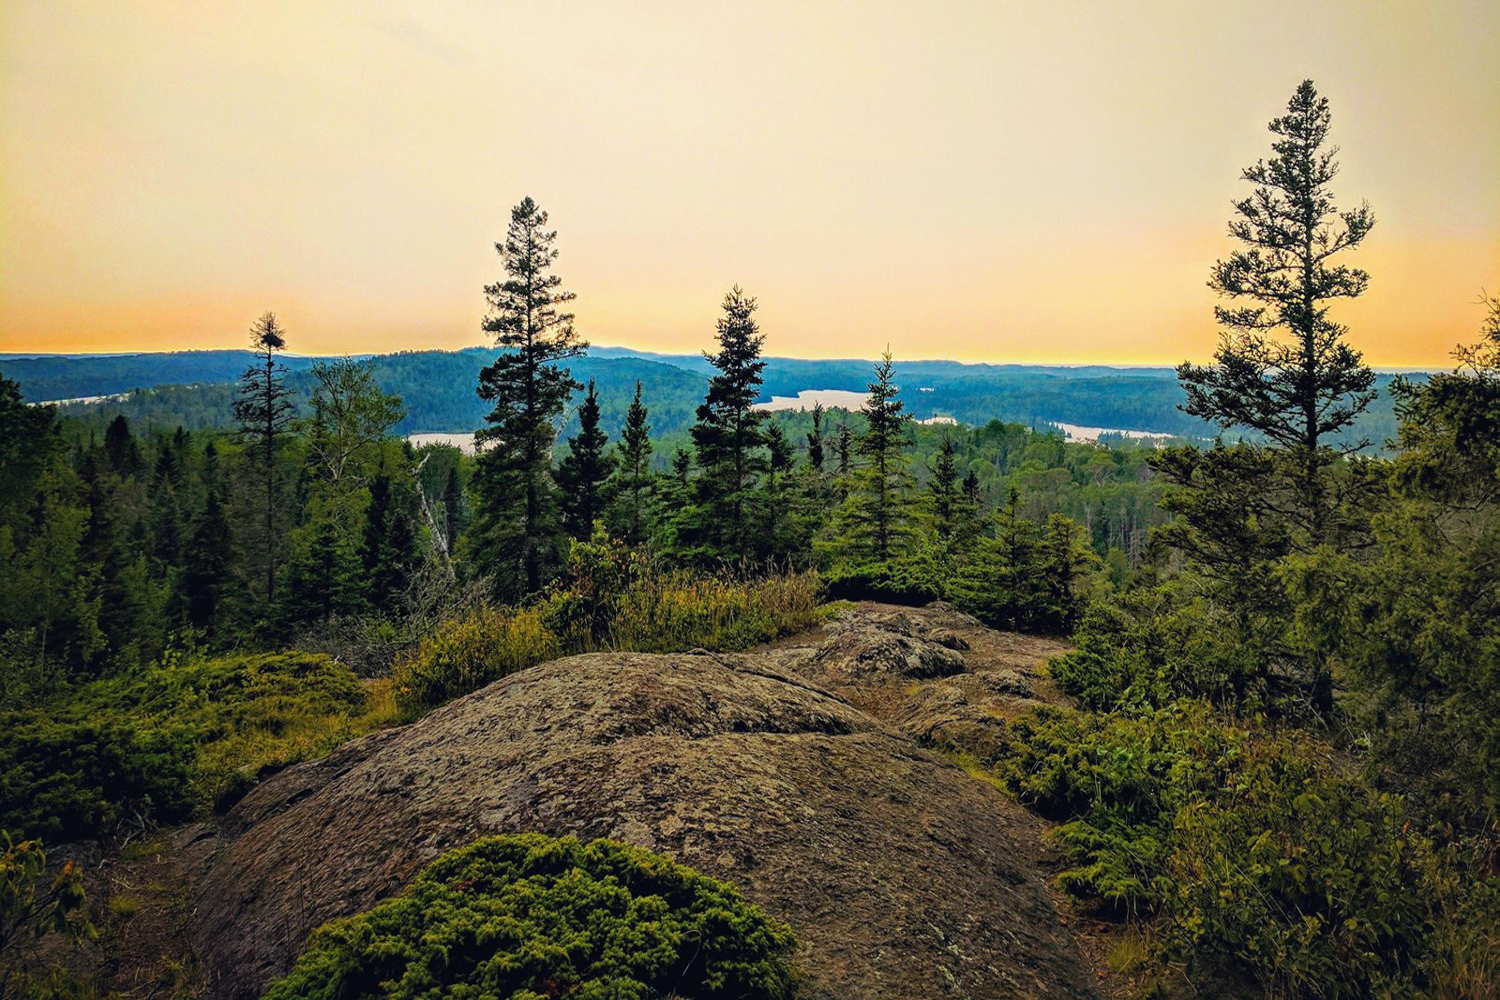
x,y
1003,182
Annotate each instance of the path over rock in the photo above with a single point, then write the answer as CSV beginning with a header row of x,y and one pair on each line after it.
x,y
901,876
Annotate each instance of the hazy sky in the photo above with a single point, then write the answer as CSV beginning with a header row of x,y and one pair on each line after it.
x,y
1043,181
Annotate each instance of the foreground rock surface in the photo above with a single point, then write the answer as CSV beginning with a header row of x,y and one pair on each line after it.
x,y
901,875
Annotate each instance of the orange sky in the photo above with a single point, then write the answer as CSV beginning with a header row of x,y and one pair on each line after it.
x,y
1046,181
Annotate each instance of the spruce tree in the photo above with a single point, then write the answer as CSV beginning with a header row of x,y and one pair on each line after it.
x,y
1283,368
324,576
517,531
944,492
263,407
780,460
728,435
584,470
453,508
206,556
881,486
815,440
631,488
388,551
120,447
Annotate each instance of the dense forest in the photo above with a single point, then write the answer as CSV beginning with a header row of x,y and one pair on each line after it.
x,y
1284,764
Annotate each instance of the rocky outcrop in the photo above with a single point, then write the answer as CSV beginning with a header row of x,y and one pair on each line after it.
x,y
901,875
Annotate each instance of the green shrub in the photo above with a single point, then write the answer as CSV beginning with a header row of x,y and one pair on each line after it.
x,y
1308,879
1253,850
466,654
1151,647
530,917
33,907
894,581
184,735
625,604
81,775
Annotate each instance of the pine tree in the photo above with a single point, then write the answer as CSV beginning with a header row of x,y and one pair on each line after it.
x,y
583,472
206,559
815,440
1299,390
517,531
882,485
453,508
944,494
388,550
781,458
728,435
631,489
263,407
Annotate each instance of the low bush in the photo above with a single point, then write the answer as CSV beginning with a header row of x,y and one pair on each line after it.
x,y
611,599
466,654
74,777
184,735
1150,647
895,581
33,907
1253,851
529,917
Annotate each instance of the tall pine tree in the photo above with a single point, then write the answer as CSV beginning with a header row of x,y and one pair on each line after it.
x,y
263,407
517,532
728,435
881,487
1283,368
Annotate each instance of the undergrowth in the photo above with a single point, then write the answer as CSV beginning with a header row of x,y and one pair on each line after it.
x,y
527,917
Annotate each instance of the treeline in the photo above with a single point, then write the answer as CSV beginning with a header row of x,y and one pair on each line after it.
x,y
311,511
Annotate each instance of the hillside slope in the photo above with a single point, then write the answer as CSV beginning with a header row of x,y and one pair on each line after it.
x,y
901,875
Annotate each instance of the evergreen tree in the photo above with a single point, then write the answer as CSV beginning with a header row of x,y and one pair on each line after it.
x,y
104,556
1299,390
728,436
815,440
631,489
844,449
780,460
517,531
583,472
944,492
263,407
881,487
453,508
120,447
388,550
29,445
325,572
1003,585
206,558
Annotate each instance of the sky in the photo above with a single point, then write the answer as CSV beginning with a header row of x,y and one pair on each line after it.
x,y
986,181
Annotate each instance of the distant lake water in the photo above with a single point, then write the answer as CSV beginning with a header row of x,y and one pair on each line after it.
x,y
1077,432
844,399
463,442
